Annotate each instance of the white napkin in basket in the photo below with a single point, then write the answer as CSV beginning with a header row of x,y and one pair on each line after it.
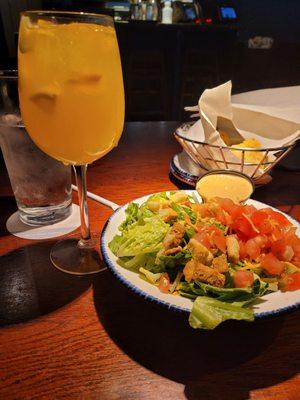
x,y
218,114
269,130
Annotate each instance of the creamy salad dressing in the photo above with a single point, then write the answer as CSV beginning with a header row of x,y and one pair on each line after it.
x,y
226,185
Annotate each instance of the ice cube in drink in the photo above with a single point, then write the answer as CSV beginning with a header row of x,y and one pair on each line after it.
x,y
41,185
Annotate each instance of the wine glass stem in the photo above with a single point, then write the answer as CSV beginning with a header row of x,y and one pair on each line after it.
x,y
80,174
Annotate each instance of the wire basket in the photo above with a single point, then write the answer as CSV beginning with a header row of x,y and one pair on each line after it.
x,y
213,157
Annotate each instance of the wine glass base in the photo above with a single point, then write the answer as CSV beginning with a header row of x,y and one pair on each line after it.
x,y
68,256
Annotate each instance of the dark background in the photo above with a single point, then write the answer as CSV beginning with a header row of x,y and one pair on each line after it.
x,y
168,67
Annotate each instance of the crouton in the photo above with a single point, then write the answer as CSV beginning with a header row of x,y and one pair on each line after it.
x,y
194,270
172,241
167,214
174,236
220,263
233,248
199,252
179,197
173,250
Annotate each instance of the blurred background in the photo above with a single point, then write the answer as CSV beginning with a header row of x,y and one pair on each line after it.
x,y
255,43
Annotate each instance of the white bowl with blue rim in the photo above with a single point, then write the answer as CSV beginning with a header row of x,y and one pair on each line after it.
x,y
269,305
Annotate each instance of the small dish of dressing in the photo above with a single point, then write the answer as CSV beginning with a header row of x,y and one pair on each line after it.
x,y
226,184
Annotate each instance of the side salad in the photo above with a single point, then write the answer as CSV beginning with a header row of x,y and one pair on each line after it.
x,y
220,254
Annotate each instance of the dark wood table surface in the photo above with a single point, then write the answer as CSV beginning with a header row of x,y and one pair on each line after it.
x,y
65,337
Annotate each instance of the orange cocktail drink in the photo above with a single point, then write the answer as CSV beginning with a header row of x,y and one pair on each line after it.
x,y
71,89
72,105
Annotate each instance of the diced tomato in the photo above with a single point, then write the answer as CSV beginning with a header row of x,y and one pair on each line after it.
x,y
277,231
210,237
249,210
228,219
243,279
242,250
258,231
204,238
242,223
243,227
223,217
261,220
219,240
291,233
270,222
282,250
291,282
220,216
252,249
237,211
296,262
226,204
278,217
202,210
230,210
262,241
271,264
294,241
277,247
164,283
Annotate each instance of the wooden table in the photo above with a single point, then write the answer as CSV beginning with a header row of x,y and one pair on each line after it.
x,y
79,338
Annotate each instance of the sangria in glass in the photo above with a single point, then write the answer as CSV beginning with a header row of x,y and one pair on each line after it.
x,y
71,90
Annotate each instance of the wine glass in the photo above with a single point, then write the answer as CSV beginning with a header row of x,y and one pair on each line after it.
x,y
72,104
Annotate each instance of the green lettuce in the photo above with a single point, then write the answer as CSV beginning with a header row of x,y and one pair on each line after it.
x,y
144,214
195,289
135,215
159,196
175,260
131,213
259,287
115,243
208,313
183,211
138,261
150,276
220,226
140,239
189,233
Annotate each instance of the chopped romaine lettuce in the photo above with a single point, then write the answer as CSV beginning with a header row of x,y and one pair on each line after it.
x,y
174,285
159,196
135,215
151,277
183,211
189,233
138,261
175,260
273,286
214,222
233,267
220,226
259,287
115,243
223,294
131,216
208,313
140,239
228,294
144,213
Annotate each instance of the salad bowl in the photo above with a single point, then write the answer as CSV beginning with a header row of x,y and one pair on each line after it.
x,y
268,305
